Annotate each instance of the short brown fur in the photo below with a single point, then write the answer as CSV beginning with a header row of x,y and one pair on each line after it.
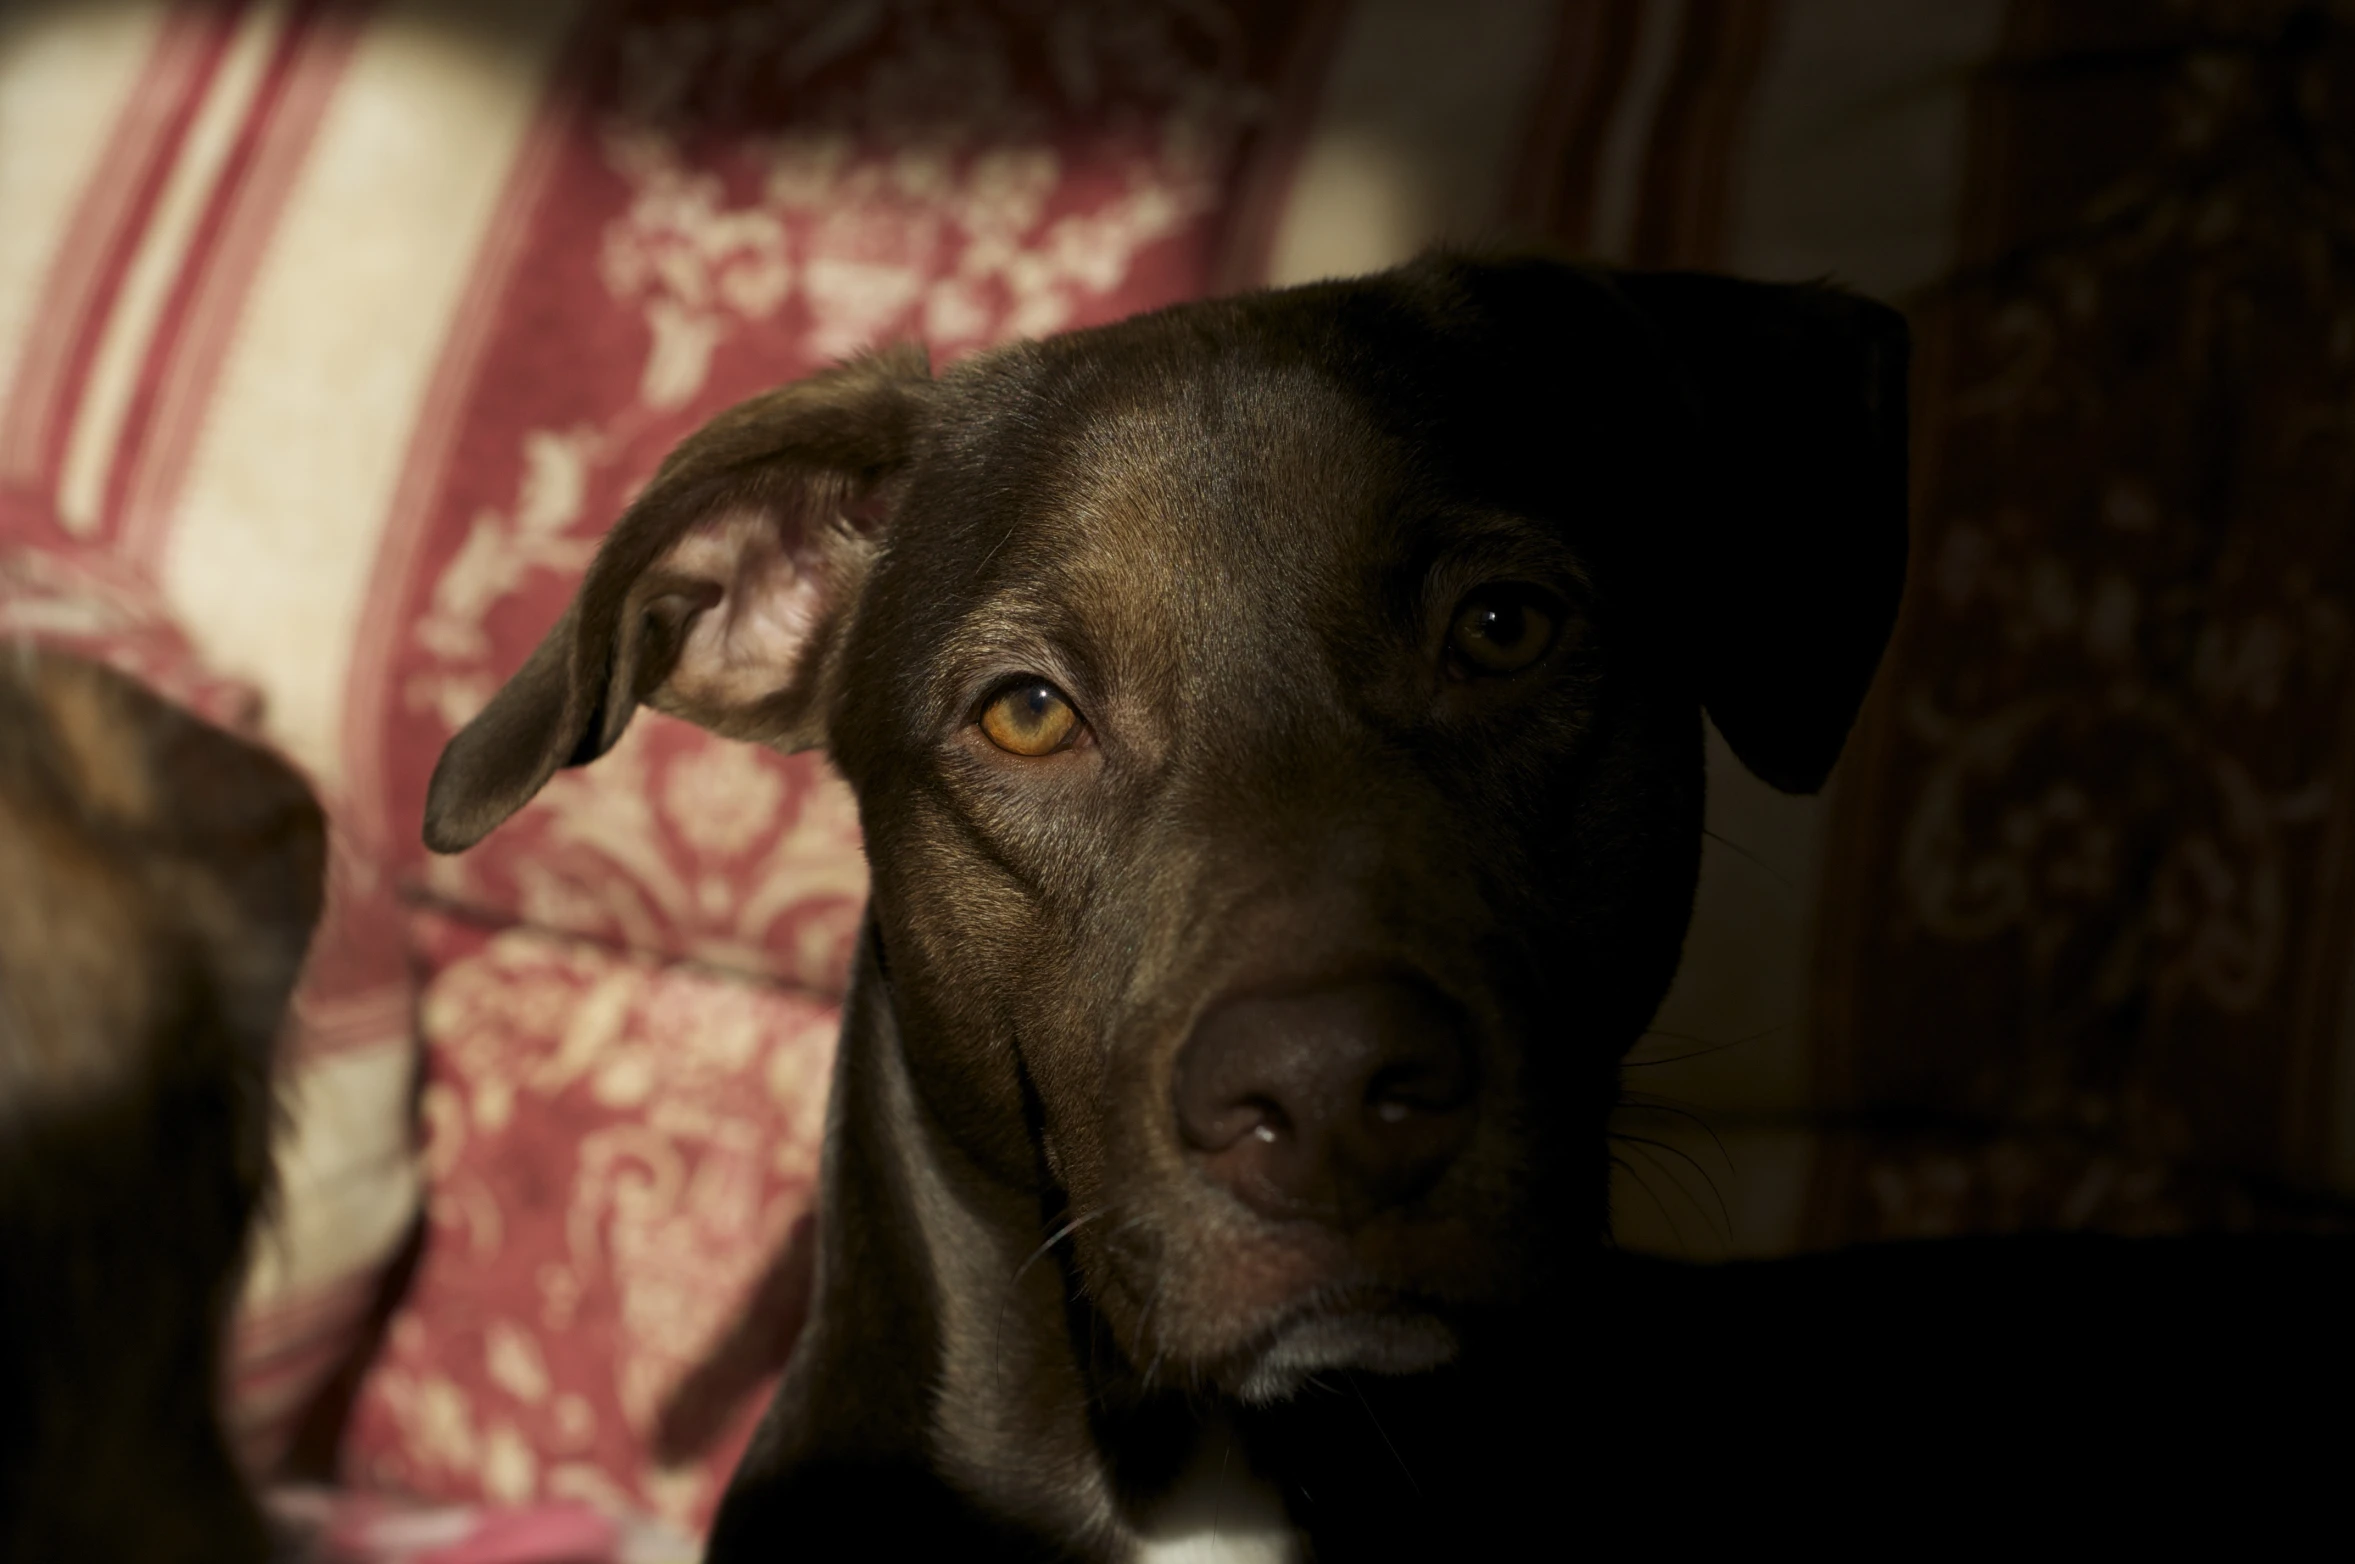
x,y
158,883
1234,536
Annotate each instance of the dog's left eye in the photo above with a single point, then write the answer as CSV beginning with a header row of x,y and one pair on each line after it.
x,y
1503,629
1031,718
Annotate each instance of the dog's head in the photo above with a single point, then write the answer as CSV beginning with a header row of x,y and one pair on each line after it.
x,y
1276,728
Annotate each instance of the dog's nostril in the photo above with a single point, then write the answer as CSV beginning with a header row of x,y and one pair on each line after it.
x,y
1435,1082
1216,1127
1273,1123
1333,1102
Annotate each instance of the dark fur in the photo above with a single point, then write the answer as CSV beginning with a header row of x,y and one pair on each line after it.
x,y
158,883
1235,531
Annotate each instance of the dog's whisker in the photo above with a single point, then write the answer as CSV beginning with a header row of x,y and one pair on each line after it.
x,y
1678,1109
1707,1047
1149,1334
1405,1470
1006,1299
1061,1233
1763,867
1636,1177
1645,1146
1634,1139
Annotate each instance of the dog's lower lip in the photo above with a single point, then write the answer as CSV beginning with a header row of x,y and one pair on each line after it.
x,y
1386,1336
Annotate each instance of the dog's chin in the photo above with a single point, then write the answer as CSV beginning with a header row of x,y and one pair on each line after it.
x,y
1307,1345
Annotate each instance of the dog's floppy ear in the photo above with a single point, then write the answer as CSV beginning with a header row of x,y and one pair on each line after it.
x,y
1800,392
716,597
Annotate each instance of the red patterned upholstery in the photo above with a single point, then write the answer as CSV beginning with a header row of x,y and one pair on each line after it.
x,y
82,601
332,336
619,1148
675,250
348,330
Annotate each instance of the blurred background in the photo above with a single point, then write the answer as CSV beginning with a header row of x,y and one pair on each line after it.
x,y
333,335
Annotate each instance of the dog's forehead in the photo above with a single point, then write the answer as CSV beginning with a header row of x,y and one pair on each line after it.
x,y
1233,478
1137,503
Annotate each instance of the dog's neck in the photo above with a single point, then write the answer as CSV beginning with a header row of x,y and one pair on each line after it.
x,y
1008,1404
1218,1511
1007,1413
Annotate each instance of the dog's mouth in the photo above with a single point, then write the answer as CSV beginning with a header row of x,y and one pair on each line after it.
x,y
1254,1317
1378,1333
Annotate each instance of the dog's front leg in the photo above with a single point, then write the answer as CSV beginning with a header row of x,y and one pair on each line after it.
x,y
934,1399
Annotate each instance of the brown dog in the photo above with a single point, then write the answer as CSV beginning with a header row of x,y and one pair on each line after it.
x,y
158,883
1276,727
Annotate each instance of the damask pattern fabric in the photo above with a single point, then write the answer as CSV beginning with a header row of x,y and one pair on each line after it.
x,y
82,602
344,1526
332,336
353,326
621,1152
735,196
2101,804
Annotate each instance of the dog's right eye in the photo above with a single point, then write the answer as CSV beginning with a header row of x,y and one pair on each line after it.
x,y
1503,629
1032,718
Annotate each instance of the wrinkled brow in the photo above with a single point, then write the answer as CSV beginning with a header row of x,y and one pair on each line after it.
x,y
1487,545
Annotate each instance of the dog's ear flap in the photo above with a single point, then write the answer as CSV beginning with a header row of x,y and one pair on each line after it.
x,y
717,597
1800,392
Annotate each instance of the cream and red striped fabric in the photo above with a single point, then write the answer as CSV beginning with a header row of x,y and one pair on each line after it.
x,y
346,329
341,331
146,156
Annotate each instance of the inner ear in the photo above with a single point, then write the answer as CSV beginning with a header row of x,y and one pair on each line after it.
x,y
732,614
716,597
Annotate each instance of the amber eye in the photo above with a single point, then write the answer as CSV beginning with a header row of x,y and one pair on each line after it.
x,y
1031,718
1503,629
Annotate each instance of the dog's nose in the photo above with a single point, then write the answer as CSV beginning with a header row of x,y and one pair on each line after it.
x,y
1333,1103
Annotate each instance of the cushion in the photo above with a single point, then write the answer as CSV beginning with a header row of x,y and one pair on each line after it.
x,y
622,1150
350,329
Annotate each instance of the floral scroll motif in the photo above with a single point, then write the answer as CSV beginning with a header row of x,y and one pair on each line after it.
x,y
2091,893
764,188
617,1147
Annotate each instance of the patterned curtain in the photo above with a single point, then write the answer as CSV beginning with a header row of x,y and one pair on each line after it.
x,y
2087,910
